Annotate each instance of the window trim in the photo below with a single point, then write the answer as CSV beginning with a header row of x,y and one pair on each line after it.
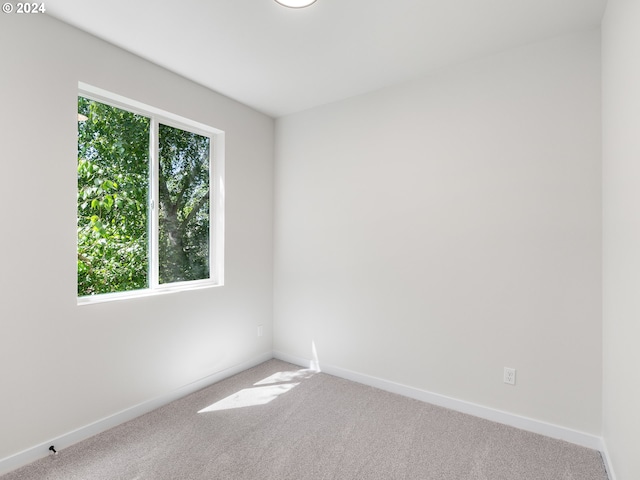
x,y
216,195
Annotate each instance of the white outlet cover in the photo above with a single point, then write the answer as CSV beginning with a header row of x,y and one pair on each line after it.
x,y
510,375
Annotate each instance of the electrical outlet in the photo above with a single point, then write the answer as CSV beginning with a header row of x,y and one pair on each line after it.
x,y
260,330
510,375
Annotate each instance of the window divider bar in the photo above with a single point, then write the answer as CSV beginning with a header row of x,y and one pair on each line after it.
x,y
154,203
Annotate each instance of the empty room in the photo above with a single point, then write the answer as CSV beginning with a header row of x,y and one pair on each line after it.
x,y
330,239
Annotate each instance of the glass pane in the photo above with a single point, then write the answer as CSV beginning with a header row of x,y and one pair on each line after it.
x,y
113,192
183,217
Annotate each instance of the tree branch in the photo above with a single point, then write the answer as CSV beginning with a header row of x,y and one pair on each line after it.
x,y
194,210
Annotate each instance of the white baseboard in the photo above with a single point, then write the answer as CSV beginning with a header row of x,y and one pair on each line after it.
x,y
499,416
606,458
63,441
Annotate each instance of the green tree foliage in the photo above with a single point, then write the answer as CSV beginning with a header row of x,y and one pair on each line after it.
x,y
184,205
113,199
113,191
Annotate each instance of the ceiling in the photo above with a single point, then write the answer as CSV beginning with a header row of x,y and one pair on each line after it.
x,y
280,60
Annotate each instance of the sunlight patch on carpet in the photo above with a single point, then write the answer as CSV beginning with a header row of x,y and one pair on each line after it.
x,y
285,377
250,397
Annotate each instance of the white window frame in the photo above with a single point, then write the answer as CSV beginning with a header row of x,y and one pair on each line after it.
x,y
216,196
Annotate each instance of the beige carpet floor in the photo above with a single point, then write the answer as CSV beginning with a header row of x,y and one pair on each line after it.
x,y
278,422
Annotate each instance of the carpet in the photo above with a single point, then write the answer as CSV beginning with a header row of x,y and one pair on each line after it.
x,y
279,422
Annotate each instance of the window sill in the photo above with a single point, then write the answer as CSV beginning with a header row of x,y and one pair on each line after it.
x,y
148,292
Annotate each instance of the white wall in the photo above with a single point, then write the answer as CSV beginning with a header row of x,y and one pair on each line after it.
x,y
432,233
621,224
64,366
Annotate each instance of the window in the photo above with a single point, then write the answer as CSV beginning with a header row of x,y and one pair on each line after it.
x,y
150,200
